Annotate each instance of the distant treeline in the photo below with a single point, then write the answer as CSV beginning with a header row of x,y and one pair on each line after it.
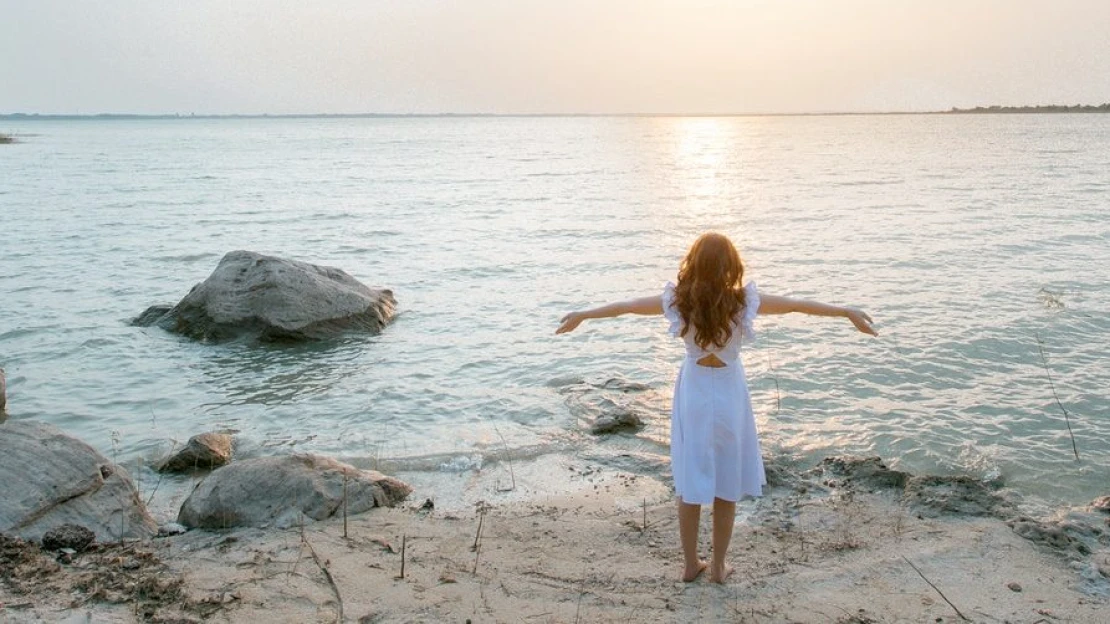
x,y
1050,108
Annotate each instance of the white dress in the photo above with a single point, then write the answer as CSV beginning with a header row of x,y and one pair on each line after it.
x,y
714,443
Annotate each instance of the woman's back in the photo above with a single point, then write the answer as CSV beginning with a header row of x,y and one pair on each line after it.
x,y
742,326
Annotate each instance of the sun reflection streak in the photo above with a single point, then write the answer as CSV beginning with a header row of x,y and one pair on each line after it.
x,y
704,171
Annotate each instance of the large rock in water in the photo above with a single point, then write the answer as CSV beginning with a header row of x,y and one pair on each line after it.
x,y
284,491
48,479
274,299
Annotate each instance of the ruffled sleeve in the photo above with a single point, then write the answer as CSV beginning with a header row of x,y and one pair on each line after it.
x,y
751,309
670,312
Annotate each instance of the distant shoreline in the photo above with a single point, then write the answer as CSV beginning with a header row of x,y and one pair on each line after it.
x,y
978,110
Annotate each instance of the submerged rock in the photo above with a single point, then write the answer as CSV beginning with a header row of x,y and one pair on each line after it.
x,y
610,407
3,391
273,299
284,491
203,451
48,479
1102,504
615,418
1069,536
959,495
151,315
866,472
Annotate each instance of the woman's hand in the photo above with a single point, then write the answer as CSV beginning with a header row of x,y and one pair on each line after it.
x,y
569,322
862,321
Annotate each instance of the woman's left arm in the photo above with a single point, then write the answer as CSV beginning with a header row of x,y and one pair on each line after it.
x,y
770,304
642,305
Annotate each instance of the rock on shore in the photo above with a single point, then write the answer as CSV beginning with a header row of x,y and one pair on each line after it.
x,y
285,491
273,299
48,479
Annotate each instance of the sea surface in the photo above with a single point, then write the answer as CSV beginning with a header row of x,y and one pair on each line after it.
x,y
979,243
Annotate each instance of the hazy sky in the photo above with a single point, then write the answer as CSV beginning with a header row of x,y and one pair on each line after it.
x,y
501,56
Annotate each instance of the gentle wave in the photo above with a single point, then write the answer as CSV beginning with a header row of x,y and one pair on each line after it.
x,y
974,243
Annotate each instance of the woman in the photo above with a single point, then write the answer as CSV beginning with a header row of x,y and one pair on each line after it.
x,y
715,452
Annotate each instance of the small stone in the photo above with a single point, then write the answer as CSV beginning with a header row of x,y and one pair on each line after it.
x,y
1015,587
428,505
204,451
171,528
447,577
1102,504
70,536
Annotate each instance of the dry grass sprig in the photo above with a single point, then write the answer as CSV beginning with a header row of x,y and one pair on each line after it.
x,y
508,459
1067,417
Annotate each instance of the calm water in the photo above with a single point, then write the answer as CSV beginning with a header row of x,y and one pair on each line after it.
x,y
969,238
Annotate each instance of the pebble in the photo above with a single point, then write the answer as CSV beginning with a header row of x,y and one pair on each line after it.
x,y
171,528
1014,587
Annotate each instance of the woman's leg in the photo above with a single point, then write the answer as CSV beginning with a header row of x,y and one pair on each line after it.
x,y
688,519
724,516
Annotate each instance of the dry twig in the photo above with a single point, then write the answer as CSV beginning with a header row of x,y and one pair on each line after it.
x,y
327,573
404,544
477,548
954,608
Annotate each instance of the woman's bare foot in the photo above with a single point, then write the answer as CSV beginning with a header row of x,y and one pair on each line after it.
x,y
691,575
720,576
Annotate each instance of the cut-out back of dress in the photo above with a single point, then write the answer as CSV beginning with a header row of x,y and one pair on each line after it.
x,y
711,361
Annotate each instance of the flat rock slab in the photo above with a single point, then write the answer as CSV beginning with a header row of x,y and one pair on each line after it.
x,y
285,491
48,479
274,299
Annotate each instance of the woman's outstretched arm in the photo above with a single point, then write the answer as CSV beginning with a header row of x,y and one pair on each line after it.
x,y
770,304
643,305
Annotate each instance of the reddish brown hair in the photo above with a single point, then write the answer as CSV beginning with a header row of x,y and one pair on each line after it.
x,y
710,290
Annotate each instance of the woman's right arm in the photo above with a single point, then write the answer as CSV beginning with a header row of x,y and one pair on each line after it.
x,y
642,305
770,304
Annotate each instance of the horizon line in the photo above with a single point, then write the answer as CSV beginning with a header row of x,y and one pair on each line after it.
x,y
1105,107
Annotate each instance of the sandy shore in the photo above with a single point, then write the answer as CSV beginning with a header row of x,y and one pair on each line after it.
x,y
820,547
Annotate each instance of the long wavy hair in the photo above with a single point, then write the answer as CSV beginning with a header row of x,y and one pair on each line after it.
x,y
710,290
